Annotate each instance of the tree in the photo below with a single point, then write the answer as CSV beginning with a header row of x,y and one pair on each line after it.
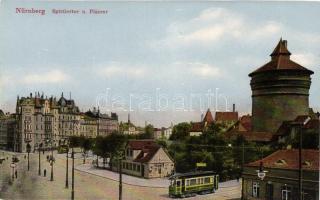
x,y
74,141
180,131
148,132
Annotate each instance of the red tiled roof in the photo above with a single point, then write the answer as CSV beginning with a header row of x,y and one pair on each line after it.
x,y
226,116
141,144
196,127
281,61
208,117
289,159
147,154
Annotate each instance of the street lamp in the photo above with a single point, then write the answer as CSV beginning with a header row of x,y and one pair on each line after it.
x,y
67,166
51,160
261,173
13,165
28,151
72,187
39,149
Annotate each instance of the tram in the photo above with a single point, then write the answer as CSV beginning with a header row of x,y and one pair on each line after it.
x,y
193,183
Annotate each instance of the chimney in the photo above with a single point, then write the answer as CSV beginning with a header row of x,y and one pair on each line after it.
x,y
233,107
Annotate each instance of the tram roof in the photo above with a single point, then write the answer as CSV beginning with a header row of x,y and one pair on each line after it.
x,y
192,174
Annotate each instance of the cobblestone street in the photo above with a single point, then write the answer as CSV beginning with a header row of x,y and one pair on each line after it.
x,y
29,185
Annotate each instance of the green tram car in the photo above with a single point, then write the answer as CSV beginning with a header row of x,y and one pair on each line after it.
x,y
193,183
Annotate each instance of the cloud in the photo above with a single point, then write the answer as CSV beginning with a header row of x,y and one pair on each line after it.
x,y
203,70
52,76
307,59
116,69
214,24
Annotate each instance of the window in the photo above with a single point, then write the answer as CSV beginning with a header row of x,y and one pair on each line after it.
x,y
269,191
178,183
193,181
255,189
134,167
138,168
206,180
285,193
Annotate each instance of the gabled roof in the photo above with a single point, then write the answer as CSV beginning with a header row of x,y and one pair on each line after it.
x,y
289,159
208,117
147,154
280,60
226,116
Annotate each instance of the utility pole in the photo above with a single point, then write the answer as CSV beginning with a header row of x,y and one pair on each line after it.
x,y
300,163
72,190
242,165
120,178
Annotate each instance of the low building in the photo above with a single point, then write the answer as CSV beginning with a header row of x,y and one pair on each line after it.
x,y
282,176
167,132
158,133
287,134
197,128
145,158
243,128
227,119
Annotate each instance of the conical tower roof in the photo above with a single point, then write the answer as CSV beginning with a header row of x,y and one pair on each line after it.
x,y
280,60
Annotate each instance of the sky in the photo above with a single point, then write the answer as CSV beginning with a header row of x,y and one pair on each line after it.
x,y
161,62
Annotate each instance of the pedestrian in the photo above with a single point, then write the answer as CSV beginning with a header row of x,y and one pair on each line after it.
x,y
44,172
16,173
43,151
47,157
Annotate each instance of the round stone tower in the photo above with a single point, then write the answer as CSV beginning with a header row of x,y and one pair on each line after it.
x,y
280,91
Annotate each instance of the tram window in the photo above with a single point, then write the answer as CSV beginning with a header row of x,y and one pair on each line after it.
x,y
193,181
201,181
207,180
178,183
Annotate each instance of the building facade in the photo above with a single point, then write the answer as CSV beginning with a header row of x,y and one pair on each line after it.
x,y
105,124
282,177
7,128
144,158
45,121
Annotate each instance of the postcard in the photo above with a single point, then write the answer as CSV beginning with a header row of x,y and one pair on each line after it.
x,y
152,100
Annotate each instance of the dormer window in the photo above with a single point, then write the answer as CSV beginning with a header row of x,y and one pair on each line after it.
x,y
281,162
306,163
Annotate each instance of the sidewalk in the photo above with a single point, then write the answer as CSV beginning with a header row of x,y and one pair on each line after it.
x,y
136,181
126,179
